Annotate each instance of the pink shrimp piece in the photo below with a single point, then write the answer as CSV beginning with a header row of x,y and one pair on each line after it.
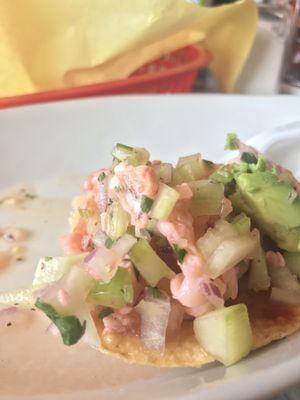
x,y
122,321
185,192
230,279
72,243
63,297
200,226
142,179
179,228
156,162
187,291
200,310
192,266
275,259
175,318
91,181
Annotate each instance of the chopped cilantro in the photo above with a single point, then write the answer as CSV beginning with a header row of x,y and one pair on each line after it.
x,y
109,242
101,177
180,253
232,142
69,326
146,203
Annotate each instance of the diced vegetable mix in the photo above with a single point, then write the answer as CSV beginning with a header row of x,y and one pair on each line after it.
x,y
151,238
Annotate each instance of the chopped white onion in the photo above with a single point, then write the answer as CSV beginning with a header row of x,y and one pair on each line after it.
x,y
102,263
154,313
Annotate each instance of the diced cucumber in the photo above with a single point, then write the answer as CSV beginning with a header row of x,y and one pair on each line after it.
x,y
164,202
258,276
230,253
292,261
223,248
282,278
207,198
164,171
50,269
117,221
148,263
116,293
225,333
284,296
241,223
190,168
132,155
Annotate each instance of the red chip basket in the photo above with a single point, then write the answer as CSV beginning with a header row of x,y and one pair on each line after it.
x,y
172,73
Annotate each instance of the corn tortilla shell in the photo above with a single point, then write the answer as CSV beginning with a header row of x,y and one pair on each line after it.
x,y
269,322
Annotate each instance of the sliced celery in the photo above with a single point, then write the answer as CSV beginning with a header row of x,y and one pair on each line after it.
x,y
117,221
207,198
148,263
132,155
258,276
164,202
116,293
225,333
241,223
292,261
190,168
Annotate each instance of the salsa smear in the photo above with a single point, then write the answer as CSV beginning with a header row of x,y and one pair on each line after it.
x,y
152,245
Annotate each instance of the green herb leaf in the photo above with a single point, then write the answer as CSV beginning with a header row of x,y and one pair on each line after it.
x,y
84,213
249,158
109,242
232,142
146,203
180,253
105,312
101,177
69,326
48,258
155,292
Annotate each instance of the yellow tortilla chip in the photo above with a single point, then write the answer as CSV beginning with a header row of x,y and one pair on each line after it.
x,y
269,322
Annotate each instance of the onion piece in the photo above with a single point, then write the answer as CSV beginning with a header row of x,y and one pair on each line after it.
x,y
102,262
154,313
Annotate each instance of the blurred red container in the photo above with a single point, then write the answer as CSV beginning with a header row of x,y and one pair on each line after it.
x,y
173,73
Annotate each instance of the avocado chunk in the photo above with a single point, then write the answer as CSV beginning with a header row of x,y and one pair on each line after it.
x,y
272,206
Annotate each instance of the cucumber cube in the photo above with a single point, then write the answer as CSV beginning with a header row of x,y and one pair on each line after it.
x,y
164,203
148,263
225,333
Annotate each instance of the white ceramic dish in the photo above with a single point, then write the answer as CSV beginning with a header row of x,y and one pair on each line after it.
x,y
44,142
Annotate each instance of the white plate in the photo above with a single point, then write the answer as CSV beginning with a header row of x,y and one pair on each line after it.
x,y
48,141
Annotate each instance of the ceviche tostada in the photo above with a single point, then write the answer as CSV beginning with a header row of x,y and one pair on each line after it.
x,y
176,265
